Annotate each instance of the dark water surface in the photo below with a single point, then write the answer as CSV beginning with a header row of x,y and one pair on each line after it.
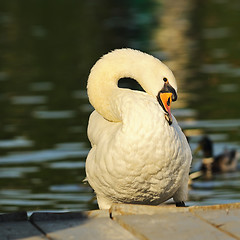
x,y
46,51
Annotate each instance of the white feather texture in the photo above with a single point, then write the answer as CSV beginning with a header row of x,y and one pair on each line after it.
x,y
136,156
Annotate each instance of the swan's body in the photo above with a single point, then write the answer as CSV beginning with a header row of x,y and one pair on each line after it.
x,y
137,156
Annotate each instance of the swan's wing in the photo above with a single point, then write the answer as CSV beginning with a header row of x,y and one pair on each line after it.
x,y
99,132
98,128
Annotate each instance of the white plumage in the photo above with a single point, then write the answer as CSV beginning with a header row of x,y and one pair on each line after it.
x,y
139,153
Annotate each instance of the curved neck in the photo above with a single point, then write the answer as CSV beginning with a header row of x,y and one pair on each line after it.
x,y
103,79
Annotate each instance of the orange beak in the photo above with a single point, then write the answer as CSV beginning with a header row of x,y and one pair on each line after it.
x,y
166,99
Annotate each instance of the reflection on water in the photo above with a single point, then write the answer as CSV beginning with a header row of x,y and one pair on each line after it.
x,y
222,188
45,60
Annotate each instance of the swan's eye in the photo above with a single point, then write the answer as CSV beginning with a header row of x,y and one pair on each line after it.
x,y
165,79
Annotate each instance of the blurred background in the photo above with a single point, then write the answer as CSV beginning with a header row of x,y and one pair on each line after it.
x,y
47,49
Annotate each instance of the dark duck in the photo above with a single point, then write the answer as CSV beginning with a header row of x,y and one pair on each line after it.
x,y
222,163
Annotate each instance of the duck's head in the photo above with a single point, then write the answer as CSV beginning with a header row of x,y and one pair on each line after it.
x,y
206,145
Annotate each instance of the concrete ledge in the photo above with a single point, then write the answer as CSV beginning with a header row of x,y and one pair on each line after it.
x,y
127,222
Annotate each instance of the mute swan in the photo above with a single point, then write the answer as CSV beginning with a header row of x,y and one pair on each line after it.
x,y
139,154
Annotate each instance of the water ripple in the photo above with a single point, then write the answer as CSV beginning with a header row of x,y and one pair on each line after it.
x,y
42,156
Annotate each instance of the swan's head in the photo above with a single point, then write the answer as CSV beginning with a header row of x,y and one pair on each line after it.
x,y
158,80
153,75
165,97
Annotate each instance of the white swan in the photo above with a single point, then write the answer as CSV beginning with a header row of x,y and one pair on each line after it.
x,y
139,153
